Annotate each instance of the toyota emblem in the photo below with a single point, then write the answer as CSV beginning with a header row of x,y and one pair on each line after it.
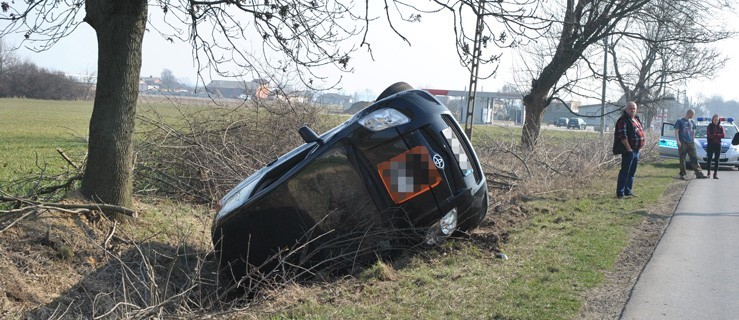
x,y
439,161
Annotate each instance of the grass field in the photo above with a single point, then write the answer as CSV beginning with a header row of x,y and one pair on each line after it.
x,y
31,130
567,242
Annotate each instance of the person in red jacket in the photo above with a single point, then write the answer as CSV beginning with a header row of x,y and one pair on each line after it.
x,y
714,134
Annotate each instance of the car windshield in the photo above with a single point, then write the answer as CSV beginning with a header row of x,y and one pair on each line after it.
x,y
729,131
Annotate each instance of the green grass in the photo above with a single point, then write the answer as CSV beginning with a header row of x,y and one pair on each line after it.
x,y
565,247
513,134
31,130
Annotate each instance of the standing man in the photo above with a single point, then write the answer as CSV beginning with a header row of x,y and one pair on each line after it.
x,y
630,133
685,133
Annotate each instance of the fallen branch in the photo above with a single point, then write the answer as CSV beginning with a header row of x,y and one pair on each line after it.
x,y
19,219
66,158
106,244
62,206
66,185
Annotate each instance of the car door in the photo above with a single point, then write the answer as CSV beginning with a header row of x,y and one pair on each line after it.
x,y
668,141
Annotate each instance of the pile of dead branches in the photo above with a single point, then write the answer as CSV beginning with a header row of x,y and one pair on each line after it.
x,y
208,151
554,164
30,195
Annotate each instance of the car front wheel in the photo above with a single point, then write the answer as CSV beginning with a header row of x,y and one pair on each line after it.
x,y
393,89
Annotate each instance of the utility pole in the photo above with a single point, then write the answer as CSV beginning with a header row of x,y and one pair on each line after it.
x,y
474,68
603,93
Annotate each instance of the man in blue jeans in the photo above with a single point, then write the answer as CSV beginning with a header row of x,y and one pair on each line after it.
x,y
630,133
685,133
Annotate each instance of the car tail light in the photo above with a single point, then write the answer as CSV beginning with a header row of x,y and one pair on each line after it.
x,y
409,174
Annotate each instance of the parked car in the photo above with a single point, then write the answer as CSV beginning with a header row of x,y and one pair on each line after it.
x,y
729,153
576,123
560,122
401,171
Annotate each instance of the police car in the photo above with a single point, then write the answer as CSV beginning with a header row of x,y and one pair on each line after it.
x,y
729,153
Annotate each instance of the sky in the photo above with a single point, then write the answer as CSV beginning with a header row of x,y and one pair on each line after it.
x,y
430,62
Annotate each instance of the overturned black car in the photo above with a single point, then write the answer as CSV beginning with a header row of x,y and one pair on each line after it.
x,y
400,171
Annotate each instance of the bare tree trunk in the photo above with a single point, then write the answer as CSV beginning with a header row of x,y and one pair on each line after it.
x,y
535,103
119,26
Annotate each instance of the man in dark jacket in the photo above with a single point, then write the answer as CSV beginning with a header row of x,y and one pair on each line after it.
x,y
631,135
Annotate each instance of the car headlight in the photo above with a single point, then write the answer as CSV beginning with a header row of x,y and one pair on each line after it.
x,y
383,119
234,200
442,229
449,222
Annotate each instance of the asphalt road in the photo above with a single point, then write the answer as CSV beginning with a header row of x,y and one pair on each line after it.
x,y
694,271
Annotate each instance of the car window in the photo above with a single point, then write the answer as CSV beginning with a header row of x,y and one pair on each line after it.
x,y
700,131
329,190
668,130
729,131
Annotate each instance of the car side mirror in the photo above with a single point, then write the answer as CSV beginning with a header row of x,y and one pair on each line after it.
x,y
309,135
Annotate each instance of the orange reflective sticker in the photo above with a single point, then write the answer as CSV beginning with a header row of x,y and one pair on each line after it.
x,y
409,174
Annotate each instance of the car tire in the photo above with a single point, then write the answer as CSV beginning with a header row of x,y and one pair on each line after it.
x,y
393,89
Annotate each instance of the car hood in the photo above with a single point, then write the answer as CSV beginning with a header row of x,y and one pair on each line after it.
x,y
725,143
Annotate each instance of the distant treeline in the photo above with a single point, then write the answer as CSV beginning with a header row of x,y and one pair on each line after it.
x,y
27,80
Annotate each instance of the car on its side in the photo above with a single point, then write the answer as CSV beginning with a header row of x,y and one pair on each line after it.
x,y
399,172
729,153
576,123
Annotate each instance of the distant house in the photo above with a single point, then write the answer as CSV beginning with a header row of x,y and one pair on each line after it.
x,y
257,88
152,83
143,86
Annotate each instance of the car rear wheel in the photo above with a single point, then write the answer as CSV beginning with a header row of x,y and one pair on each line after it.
x,y
393,89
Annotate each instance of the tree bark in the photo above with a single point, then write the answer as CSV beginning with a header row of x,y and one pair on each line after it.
x,y
534,104
119,26
541,89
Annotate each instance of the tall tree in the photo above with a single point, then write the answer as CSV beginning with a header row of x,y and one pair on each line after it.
x,y
668,43
582,24
305,33
7,57
119,27
168,79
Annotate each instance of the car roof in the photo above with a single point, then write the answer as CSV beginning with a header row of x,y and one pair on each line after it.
x,y
723,123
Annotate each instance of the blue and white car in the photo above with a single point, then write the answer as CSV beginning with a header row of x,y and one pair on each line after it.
x,y
729,153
